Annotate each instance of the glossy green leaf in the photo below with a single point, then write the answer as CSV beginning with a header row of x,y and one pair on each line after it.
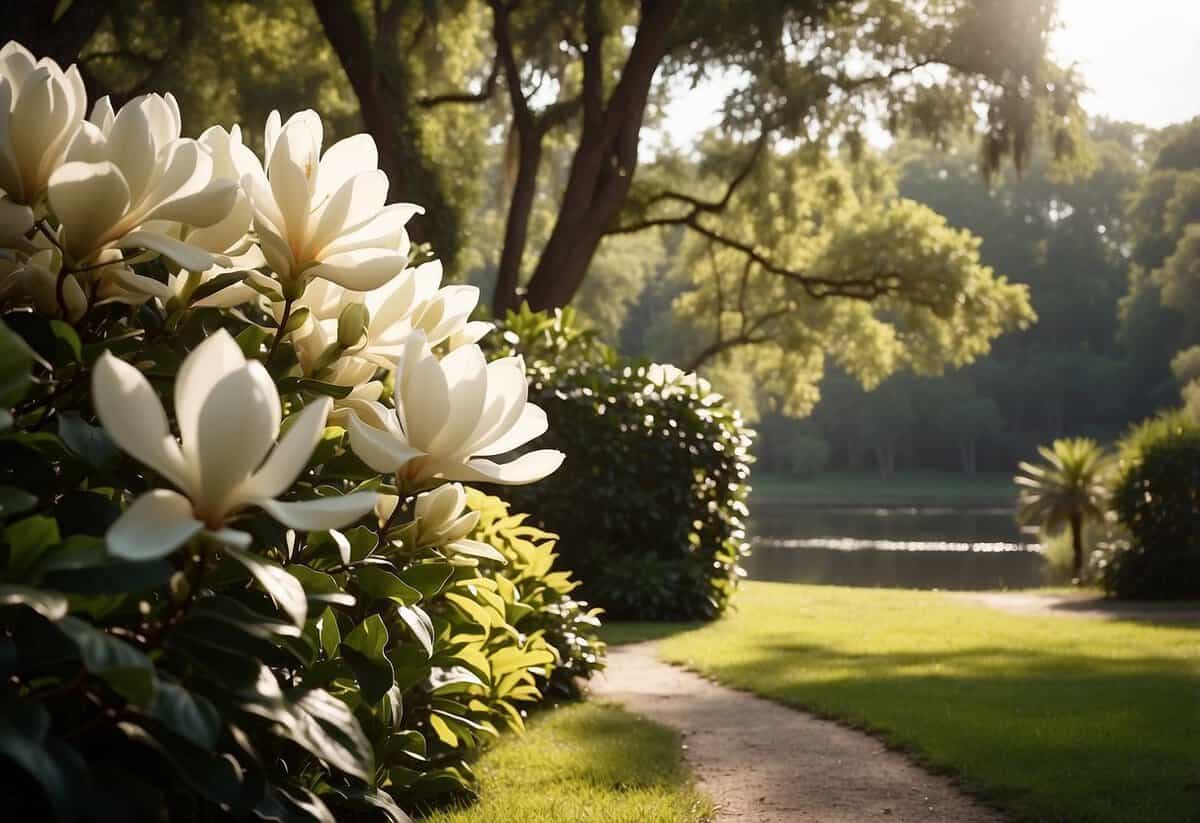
x,y
188,715
126,669
284,588
377,582
50,605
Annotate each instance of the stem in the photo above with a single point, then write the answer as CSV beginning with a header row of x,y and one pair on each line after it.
x,y
282,330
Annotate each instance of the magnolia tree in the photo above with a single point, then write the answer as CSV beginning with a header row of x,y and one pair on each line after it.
x,y
234,409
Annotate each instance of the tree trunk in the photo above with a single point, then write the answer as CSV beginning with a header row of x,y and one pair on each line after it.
x,y
33,24
1077,545
516,226
603,166
380,81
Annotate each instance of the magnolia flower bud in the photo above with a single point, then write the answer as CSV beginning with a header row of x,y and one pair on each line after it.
x,y
352,325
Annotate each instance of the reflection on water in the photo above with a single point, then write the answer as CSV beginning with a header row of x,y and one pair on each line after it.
x,y
974,547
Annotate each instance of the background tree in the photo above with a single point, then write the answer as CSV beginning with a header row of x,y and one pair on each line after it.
x,y
1067,489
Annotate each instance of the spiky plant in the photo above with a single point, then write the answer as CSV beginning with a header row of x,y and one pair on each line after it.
x,y
1068,488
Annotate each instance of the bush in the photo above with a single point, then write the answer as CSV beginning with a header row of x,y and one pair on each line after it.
x,y
651,500
236,579
1156,496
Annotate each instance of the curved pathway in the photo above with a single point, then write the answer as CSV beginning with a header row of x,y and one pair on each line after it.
x,y
765,763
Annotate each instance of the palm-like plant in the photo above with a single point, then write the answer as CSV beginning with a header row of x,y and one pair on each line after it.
x,y
1067,488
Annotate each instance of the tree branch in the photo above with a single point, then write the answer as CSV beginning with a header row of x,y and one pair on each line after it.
x,y
466,97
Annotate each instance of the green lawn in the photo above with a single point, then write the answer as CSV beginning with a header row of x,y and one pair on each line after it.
x,y
592,763
868,488
1050,718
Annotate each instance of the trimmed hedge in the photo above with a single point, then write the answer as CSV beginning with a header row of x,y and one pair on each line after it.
x,y
651,501
1156,497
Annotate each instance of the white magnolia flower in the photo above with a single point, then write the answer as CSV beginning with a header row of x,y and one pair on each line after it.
x,y
440,521
41,107
323,215
228,412
127,172
35,278
229,238
450,416
15,221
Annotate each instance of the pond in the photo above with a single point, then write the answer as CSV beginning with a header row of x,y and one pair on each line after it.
x,y
914,547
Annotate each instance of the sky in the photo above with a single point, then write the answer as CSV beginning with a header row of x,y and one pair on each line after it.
x,y
1143,67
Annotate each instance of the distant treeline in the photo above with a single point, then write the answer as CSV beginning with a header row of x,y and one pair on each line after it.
x,y
1111,262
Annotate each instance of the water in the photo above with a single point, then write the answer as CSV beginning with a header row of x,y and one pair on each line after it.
x,y
916,547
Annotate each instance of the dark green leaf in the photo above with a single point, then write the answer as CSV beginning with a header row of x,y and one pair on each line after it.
x,y
14,501
428,578
50,605
296,385
419,624
284,588
364,649
67,336
54,766
28,540
332,733
16,361
218,777
379,583
127,670
89,442
221,281
189,715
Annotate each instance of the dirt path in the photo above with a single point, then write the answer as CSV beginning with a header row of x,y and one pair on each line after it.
x,y
1086,605
764,763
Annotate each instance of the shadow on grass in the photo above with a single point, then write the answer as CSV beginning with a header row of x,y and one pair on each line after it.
x,y
623,633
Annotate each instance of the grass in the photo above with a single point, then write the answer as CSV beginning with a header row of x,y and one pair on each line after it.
x,y
1050,718
588,763
868,488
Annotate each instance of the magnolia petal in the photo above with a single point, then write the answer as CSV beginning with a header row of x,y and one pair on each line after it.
x,y
321,513
89,199
361,269
383,451
465,372
208,363
343,160
183,255
528,468
440,506
158,522
532,423
290,456
132,415
15,220
234,431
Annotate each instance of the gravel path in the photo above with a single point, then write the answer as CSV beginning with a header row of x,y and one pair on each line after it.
x,y
765,763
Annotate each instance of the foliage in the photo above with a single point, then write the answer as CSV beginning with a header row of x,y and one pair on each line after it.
x,y
663,462
1156,496
586,763
1067,489
540,593
1107,704
214,607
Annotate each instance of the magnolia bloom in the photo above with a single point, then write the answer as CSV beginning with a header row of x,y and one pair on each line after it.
x,y
127,172
323,215
229,238
15,221
441,522
228,412
452,414
41,107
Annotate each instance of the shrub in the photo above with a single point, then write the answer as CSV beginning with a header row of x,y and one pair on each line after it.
x,y
661,461
1157,499
260,599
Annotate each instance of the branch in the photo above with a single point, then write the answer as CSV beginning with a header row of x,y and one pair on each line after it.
x,y
481,96
593,62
